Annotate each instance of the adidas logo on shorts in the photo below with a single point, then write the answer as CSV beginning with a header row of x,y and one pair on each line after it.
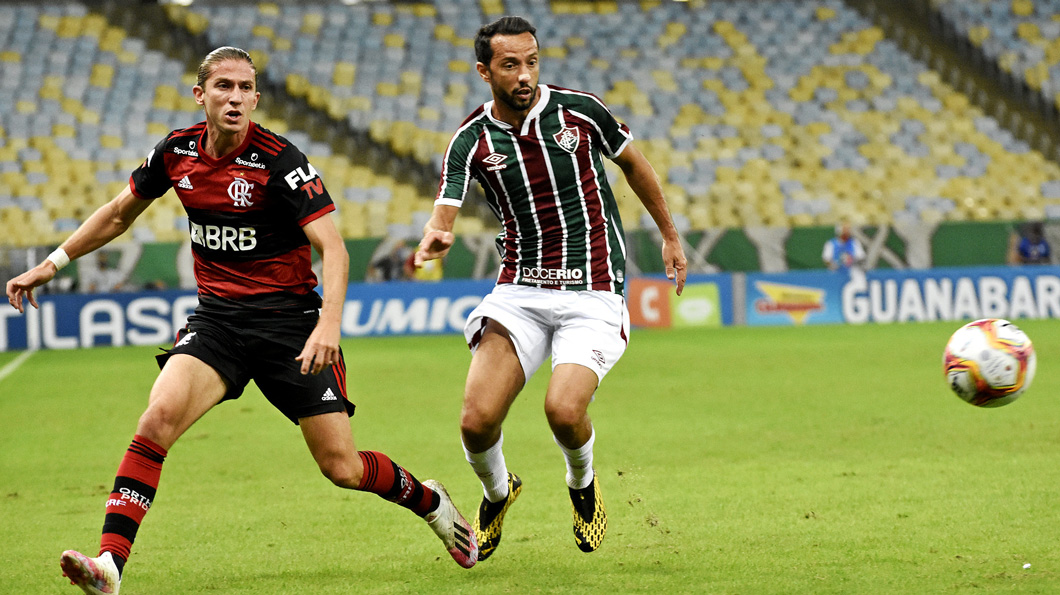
x,y
329,396
185,183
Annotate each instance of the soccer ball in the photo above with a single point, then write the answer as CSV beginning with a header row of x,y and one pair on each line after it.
x,y
989,362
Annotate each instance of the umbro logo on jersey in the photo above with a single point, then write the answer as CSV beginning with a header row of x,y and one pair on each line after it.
x,y
185,183
495,161
329,396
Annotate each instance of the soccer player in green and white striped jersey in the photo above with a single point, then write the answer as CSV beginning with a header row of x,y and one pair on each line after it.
x,y
537,150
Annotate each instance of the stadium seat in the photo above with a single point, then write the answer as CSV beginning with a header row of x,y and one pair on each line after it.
x,y
779,112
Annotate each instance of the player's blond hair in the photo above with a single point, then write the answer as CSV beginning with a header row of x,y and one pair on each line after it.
x,y
210,62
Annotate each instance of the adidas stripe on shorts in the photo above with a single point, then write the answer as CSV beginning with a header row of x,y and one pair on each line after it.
x,y
265,354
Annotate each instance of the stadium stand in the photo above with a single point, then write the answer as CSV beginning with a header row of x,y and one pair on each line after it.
x,y
786,113
83,103
1021,36
776,113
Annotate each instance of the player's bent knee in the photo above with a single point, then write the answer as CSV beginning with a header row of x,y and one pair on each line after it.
x,y
476,431
160,424
342,472
564,415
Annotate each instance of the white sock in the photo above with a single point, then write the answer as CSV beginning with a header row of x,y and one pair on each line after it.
x,y
491,470
579,463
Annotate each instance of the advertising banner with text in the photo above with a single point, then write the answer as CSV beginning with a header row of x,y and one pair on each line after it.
x,y
706,301
69,321
903,295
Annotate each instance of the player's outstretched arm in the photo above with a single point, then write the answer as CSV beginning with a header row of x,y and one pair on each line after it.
x,y
321,349
108,222
645,184
438,235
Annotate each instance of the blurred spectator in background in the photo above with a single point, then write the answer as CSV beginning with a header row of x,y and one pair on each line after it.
x,y
1029,245
110,270
844,251
388,261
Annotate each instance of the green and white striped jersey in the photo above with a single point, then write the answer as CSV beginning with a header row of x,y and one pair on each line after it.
x,y
547,185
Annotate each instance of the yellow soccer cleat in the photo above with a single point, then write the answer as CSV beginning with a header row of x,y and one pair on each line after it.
x,y
590,518
490,517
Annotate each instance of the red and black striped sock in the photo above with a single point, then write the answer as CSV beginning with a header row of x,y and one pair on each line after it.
x,y
392,482
134,490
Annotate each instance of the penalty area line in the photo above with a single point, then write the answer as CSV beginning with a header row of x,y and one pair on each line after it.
x,y
15,363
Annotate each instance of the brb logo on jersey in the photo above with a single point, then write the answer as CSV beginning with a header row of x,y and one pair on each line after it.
x,y
567,138
239,191
223,238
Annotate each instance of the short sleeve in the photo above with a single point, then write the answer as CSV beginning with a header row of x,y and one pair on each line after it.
x,y
456,169
614,134
299,188
150,180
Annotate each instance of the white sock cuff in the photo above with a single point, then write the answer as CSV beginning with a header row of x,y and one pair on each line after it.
x,y
582,450
579,462
491,470
475,457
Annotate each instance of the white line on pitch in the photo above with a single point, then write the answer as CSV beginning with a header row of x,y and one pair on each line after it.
x,y
15,363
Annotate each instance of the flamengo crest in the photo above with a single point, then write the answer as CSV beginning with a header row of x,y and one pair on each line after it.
x,y
567,138
239,192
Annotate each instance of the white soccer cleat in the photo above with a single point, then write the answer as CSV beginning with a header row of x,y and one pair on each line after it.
x,y
451,527
95,576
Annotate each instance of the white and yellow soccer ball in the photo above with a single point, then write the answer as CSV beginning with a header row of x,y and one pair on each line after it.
x,y
989,362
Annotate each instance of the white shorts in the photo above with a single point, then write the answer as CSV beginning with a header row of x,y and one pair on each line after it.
x,y
590,328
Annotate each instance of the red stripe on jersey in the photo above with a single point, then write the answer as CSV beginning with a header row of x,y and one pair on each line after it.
x,y
267,142
194,130
339,369
510,258
317,215
264,149
235,279
269,137
598,252
548,216
136,193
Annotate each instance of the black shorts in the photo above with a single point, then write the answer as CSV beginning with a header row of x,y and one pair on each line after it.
x,y
265,352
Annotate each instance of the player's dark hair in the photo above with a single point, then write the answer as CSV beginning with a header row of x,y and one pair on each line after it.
x,y
220,55
502,26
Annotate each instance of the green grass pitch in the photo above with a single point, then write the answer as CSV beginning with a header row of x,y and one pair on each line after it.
x,y
741,460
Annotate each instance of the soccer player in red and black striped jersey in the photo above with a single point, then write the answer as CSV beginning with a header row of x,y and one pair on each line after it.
x,y
537,151
256,208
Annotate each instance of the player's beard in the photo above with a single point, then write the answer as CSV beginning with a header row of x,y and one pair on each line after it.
x,y
514,102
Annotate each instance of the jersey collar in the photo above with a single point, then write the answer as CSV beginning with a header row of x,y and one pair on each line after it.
x,y
229,157
536,112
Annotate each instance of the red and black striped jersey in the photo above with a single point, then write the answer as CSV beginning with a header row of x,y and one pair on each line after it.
x,y
547,185
245,215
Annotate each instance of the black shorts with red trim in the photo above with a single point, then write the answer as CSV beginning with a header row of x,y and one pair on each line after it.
x,y
264,351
